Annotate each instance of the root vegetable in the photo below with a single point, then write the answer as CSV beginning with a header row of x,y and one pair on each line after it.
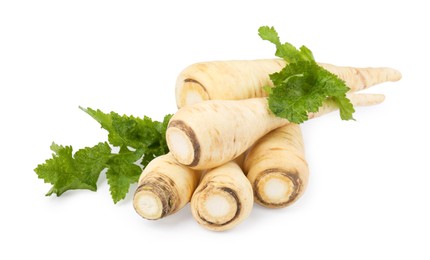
x,y
211,133
276,167
233,80
165,186
361,78
223,198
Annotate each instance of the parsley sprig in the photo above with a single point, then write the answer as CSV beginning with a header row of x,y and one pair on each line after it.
x,y
302,85
138,141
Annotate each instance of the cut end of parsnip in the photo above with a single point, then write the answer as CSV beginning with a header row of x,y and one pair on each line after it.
x,y
217,207
192,92
275,190
180,144
148,204
193,98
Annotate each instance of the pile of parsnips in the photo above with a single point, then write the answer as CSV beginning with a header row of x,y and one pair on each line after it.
x,y
228,150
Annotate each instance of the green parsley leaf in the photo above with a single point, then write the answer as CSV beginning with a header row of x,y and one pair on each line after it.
x,y
133,131
159,146
286,50
105,121
302,86
346,109
139,140
81,171
123,172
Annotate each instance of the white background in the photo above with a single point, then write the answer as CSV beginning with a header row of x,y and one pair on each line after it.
x,y
368,197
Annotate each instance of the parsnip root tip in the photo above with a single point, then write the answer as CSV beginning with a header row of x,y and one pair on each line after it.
x,y
397,75
366,99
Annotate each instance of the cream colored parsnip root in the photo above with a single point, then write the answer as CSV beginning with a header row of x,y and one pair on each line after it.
x,y
211,133
276,167
223,198
243,79
165,186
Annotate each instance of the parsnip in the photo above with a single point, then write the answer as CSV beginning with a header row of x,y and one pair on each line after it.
x,y
243,79
165,186
276,167
211,133
223,198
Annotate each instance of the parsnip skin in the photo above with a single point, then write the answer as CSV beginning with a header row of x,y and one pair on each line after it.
x,y
276,167
165,186
223,198
243,79
362,78
210,133
227,80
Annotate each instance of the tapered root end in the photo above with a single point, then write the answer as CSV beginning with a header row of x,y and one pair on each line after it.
x,y
276,188
368,77
395,75
148,204
366,99
191,92
216,208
